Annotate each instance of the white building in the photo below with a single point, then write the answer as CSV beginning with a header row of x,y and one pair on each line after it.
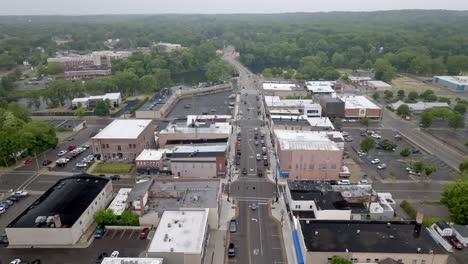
x,y
90,101
458,83
379,85
305,107
283,89
153,160
118,205
62,215
322,88
361,80
180,237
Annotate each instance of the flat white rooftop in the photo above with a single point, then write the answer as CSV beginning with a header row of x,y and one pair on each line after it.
x,y
132,261
285,112
123,129
118,205
359,78
304,140
152,154
379,84
275,101
110,96
195,148
195,118
320,122
180,232
321,87
278,86
200,128
358,102
459,80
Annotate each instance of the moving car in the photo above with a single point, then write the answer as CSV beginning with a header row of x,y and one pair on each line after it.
x,y
244,171
231,250
144,233
260,174
100,231
233,226
28,161
381,166
258,157
375,161
253,206
16,261
363,182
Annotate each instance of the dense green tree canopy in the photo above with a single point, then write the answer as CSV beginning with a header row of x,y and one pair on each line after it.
x,y
455,198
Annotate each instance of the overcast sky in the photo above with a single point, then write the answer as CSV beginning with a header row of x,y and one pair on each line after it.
x,y
81,7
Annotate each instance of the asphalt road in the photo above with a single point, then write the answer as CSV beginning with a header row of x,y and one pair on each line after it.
x,y
257,239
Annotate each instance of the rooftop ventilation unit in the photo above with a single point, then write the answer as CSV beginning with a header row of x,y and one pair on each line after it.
x,y
40,220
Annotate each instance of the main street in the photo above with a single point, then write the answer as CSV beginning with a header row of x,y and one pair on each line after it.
x,y
258,238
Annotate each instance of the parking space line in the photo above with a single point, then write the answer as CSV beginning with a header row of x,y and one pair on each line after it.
x,y
131,234
123,233
113,234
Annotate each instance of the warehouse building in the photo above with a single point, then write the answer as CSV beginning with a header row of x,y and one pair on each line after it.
x,y
458,83
61,216
379,85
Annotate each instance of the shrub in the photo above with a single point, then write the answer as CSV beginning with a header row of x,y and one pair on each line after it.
x,y
138,105
408,208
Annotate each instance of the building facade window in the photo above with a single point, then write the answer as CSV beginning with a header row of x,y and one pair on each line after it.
x,y
103,146
107,145
119,148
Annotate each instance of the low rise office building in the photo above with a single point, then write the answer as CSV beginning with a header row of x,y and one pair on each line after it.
x,y
62,215
419,106
321,88
151,161
199,161
367,242
181,237
358,107
301,123
283,89
332,107
196,133
308,155
306,107
115,99
124,139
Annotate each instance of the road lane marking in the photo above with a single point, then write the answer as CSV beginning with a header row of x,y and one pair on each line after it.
x,y
260,229
248,235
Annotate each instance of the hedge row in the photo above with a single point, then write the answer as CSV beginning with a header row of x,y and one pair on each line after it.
x,y
408,208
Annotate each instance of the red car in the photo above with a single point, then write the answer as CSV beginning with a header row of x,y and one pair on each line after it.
x,y
71,147
144,233
46,162
455,242
28,161
237,162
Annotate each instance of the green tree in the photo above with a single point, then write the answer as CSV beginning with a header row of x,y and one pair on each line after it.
x,y
338,60
405,152
80,111
455,198
427,118
428,96
403,110
338,122
105,217
463,166
376,96
384,70
52,68
388,94
19,111
413,96
418,166
460,108
387,145
367,144
102,108
340,260
456,121
218,69
365,121
128,218
444,100
401,94
428,170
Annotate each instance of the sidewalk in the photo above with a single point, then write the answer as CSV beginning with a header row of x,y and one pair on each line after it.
x,y
279,212
216,247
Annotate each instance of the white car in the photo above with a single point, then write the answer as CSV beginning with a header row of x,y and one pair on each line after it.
x,y
259,157
62,152
361,153
114,254
2,210
256,142
20,193
16,261
363,182
265,157
412,172
344,182
375,161
382,166
376,136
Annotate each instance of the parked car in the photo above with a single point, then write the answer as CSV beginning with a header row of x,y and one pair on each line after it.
x,y
20,194
344,182
101,257
85,146
46,162
62,152
81,165
8,201
259,173
36,261
381,166
231,250
237,161
144,233
115,177
455,242
363,182
375,161
100,231
253,206
233,226
376,136
2,210
412,172
16,261
28,161
71,139
71,147
361,153
414,151
259,157
114,254
256,142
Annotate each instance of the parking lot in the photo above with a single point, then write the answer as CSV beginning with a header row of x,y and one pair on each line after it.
x,y
14,210
211,104
396,164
